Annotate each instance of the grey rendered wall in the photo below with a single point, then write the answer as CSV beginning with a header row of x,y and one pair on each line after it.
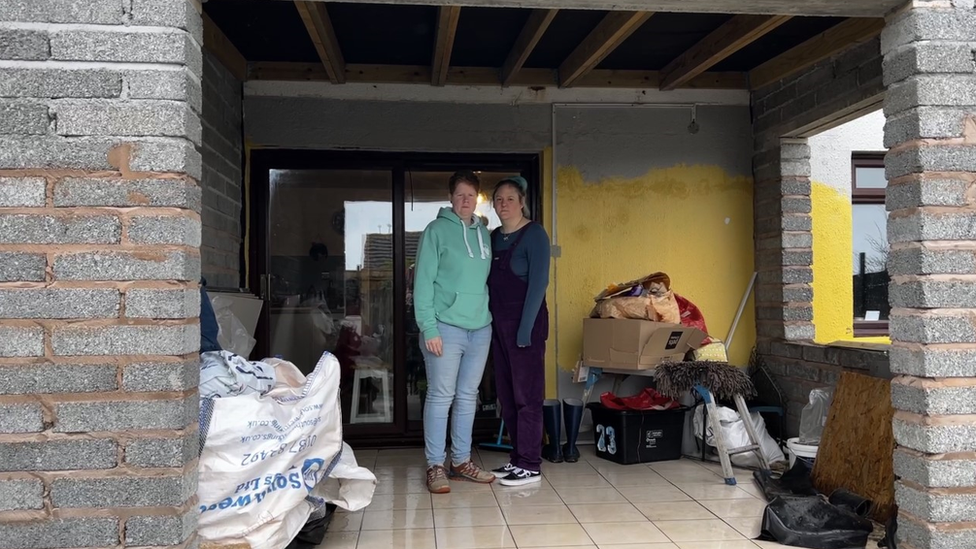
x,y
222,175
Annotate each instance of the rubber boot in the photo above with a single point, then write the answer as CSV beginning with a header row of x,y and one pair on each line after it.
x,y
551,423
572,417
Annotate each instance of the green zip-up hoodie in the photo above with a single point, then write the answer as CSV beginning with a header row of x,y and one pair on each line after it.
x,y
451,275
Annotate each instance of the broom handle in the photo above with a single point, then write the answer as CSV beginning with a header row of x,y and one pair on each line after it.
x,y
738,314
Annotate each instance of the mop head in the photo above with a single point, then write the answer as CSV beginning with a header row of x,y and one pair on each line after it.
x,y
723,380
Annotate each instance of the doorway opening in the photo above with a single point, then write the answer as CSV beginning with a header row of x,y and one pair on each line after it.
x,y
332,250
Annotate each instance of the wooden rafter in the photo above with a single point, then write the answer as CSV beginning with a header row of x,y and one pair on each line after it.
x,y
319,26
486,76
822,46
535,27
731,37
223,49
616,27
447,22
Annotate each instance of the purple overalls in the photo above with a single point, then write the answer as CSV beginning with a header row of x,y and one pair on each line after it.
x,y
520,372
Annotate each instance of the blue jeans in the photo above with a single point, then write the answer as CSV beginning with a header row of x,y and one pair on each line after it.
x,y
453,378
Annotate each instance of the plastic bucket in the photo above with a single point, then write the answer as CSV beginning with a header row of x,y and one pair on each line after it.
x,y
803,452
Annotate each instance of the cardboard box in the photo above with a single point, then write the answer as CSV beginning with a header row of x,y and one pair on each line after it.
x,y
636,344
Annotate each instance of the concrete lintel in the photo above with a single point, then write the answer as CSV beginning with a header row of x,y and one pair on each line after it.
x,y
491,94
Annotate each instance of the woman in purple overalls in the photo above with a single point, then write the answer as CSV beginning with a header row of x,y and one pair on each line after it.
x,y
520,327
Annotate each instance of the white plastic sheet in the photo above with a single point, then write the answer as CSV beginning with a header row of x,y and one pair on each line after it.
x,y
232,335
813,417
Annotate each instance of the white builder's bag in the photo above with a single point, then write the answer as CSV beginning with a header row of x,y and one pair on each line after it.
x,y
262,455
736,436
349,486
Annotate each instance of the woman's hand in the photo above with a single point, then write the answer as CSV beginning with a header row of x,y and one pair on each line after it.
x,y
435,345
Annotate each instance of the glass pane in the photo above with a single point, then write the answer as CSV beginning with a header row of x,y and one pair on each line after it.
x,y
331,251
426,194
870,262
870,178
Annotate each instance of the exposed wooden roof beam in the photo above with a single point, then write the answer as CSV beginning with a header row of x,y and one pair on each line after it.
x,y
731,37
223,49
486,76
447,22
319,26
822,46
616,27
535,27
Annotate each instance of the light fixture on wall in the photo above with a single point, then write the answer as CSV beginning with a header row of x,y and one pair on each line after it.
x,y
693,125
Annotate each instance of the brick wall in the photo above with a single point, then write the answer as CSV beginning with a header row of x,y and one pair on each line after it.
x,y
785,113
222,175
800,367
99,262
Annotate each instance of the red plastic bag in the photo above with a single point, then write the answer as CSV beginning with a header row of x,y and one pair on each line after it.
x,y
648,399
691,316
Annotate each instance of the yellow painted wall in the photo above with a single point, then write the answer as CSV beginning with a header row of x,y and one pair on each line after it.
x,y
692,222
833,265
833,291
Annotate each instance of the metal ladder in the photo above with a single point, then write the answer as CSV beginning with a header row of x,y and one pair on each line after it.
x,y
724,452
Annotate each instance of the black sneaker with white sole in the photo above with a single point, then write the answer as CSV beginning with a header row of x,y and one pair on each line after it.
x,y
503,471
520,477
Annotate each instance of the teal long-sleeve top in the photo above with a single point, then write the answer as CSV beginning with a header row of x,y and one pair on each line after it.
x,y
530,262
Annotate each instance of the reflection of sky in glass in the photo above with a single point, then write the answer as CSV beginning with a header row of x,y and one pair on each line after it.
x,y
870,223
364,218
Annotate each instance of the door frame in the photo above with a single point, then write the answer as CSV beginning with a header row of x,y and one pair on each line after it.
x,y
262,161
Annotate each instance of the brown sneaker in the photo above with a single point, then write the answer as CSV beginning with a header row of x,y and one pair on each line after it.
x,y
471,472
437,480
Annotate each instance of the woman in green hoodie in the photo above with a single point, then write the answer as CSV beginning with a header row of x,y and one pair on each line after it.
x,y
451,307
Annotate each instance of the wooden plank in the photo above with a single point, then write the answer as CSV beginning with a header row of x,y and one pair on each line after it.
x,y
652,79
857,443
826,44
319,27
223,49
447,22
484,76
535,27
731,37
616,27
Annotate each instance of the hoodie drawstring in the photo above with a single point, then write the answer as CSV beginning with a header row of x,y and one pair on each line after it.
x,y
481,241
464,232
481,244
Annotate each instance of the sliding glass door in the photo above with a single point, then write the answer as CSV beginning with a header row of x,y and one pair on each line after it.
x,y
332,249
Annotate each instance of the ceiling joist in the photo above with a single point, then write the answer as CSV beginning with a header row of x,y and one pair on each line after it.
x,y
822,46
215,41
616,27
319,26
737,33
535,27
447,22
486,76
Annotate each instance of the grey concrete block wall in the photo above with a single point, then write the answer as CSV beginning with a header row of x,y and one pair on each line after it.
x,y
784,114
100,230
799,367
222,181
930,108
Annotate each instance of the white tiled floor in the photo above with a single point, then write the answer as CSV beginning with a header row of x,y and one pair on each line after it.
x,y
593,504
